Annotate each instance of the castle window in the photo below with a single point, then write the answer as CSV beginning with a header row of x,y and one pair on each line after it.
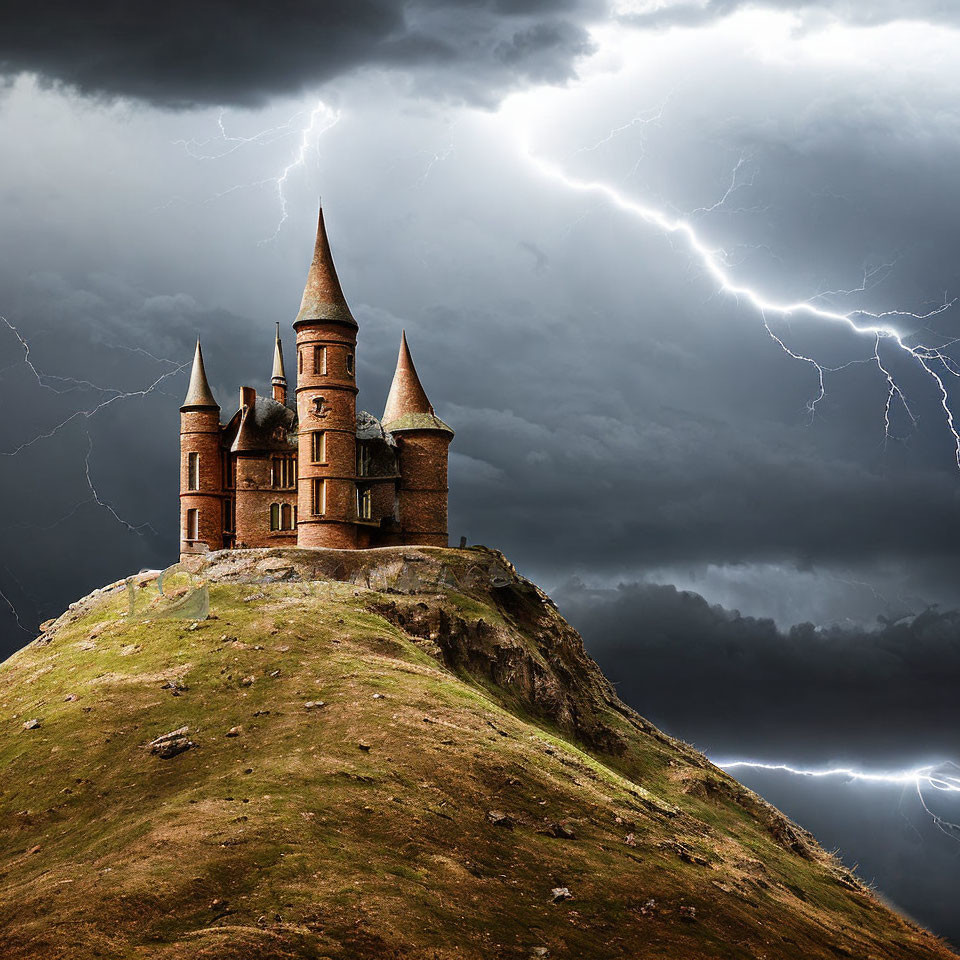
x,y
193,525
319,502
284,472
320,360
286,517
228,516
363,459
300,360
274,516
229,471
319,447
193,471
364,503
350,364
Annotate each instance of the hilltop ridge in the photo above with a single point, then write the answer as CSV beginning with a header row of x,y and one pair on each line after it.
x,y
400,752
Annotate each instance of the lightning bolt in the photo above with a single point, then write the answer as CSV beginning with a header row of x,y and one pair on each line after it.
x,y
934,364
320,119
86,415
943,778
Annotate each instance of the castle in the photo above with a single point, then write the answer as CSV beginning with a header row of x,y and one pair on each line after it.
x,y
310,470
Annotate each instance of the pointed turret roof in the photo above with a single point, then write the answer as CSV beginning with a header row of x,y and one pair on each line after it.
x,y
199,393
322,296
278,373
407,405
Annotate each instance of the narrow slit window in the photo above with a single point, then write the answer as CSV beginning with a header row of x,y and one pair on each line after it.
x,y
286,517
274,516
228,518
319,447
193,524
350,364
363,460
319,504
193,471
364,504
320,360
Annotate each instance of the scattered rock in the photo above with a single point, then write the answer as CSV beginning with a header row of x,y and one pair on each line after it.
x,y
234,731
630,840
539,952
35,849
499,819
275,673
87,645
364,746
649,908
248,681
313,705
171,744
378,696
69,698
130,649
283,649
32,724
688,913
558,894
558,830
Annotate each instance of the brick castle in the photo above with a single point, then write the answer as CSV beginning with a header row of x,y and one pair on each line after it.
x,y
309,470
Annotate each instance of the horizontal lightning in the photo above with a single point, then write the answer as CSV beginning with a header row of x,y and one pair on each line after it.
x,y
943,778
932,361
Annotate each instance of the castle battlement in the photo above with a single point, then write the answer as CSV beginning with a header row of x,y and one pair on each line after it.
x,y
310,470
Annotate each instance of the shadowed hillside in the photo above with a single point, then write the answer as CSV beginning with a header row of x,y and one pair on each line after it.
x,y
396,753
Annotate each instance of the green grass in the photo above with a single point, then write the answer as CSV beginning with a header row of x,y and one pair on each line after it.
x,y
107,850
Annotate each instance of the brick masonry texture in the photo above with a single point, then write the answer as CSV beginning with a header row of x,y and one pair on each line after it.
x,y
399,477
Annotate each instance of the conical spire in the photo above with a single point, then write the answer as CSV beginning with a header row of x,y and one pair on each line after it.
x,y
199,393
322,296
278,373
407,405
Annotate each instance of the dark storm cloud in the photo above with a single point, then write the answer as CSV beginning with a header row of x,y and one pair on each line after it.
x,y
685,13
739,687
180,54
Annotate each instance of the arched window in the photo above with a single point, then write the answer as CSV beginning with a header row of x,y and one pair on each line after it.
x,y
274,516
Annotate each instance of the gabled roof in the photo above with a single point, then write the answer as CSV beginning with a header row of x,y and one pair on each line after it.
x,y
322,296
407,405
199,394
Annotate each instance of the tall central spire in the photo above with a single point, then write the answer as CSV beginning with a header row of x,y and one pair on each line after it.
x,y
323,297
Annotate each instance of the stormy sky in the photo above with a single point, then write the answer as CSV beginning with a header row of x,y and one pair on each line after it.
x,y
766,572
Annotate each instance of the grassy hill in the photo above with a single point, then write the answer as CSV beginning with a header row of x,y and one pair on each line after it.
x,y
400,753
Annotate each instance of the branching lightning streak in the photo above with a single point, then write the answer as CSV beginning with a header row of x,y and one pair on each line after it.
x,y
321,119
87,415
943,778
862,322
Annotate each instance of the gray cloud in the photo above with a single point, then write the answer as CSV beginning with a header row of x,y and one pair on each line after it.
x,y
183,54
698,12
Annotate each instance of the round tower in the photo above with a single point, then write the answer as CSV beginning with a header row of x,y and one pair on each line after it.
x,y
423,440
201,482
326,407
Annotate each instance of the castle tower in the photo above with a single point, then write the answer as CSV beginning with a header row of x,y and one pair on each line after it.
x,y
326,407
201,484
422,442
279,379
